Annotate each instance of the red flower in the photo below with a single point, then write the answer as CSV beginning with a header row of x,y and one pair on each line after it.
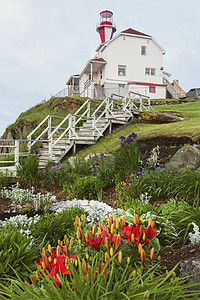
x,y
95,242
57,265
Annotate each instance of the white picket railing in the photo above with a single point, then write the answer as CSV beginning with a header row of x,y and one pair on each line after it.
x,y
68,128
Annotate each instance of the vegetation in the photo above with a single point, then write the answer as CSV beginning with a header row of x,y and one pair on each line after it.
x,y
77,252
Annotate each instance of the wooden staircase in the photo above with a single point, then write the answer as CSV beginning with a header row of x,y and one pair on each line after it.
x,y
87,135
90,122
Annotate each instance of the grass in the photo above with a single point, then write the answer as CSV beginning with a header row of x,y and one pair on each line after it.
x,y
189,111
33,116
190,126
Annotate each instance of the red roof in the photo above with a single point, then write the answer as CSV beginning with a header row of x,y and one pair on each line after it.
x,y
132,31
98,59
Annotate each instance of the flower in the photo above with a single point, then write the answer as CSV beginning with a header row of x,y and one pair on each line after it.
x,y
122,137
95,242
55,265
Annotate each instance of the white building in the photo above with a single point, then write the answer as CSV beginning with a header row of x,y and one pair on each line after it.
x,y
129,61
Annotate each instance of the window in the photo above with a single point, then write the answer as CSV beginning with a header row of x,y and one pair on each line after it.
x,y
152,89
150,71
121,70
143,50
101,75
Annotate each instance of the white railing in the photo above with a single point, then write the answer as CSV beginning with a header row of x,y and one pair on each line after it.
x,y
95,110
12,148
138,102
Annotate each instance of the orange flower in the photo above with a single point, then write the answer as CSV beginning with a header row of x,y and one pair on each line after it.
x,y
152,253
94,229
87,235
123,222
120,257
142,255
106,257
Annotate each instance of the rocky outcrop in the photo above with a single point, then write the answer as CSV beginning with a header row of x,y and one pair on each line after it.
x,y
158,117
186,157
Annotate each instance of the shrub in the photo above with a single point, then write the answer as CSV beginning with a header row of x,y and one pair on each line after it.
x,y
104,283
52,227
28,170
15,253
87,187
127,158
183,219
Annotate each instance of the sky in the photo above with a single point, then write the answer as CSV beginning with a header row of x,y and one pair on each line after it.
x,y
43,42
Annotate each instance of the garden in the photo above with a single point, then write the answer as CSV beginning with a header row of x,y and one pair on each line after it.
x,y
135,249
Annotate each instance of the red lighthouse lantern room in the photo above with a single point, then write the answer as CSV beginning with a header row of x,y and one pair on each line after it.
x,y
106,27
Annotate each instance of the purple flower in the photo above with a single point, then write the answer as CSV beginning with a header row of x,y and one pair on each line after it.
x,y
36,151
132,175
158,168
102,154
122,137
98,174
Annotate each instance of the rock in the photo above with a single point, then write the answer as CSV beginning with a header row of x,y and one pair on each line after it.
x,y
190,267
158,117
186,157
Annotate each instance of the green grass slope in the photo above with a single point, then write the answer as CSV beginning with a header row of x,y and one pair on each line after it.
x,y
190,126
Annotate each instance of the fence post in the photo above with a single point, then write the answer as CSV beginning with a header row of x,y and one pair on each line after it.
x,y
140,103
50,148
149,103
29,144
70,126
49,125
16,155
88,108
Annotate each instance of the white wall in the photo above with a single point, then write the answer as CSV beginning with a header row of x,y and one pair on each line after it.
x,y
126,50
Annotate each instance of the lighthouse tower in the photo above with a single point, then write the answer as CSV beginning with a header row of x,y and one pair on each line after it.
x,y
106,27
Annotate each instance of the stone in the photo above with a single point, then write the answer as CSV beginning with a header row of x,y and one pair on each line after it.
x,y
186,157
190,267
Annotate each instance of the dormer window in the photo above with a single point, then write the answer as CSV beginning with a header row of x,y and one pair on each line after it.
x,y
121,70
143,50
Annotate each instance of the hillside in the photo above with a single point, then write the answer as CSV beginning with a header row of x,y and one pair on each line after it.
x,y
29,119
187,131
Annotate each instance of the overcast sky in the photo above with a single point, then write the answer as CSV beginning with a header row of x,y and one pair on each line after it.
x,y
43,42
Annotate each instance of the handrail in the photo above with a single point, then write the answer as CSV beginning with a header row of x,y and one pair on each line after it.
x,y
89,111
39,125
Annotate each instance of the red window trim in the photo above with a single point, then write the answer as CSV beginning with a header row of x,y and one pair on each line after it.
x,y
153,89
145,50
122,66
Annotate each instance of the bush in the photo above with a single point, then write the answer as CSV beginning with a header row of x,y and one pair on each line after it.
x,y
127,158
28,170
165,183
15,253
52,227
87,187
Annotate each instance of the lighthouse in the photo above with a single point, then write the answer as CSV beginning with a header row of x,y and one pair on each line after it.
x,y
106,27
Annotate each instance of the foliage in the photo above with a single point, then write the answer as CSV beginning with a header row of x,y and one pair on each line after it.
x,y
52,227
28,170
5,179
9,157
60,174
127,158
103,168
15,253
92,273
165,183
22,224
183,219
87,187
18,195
